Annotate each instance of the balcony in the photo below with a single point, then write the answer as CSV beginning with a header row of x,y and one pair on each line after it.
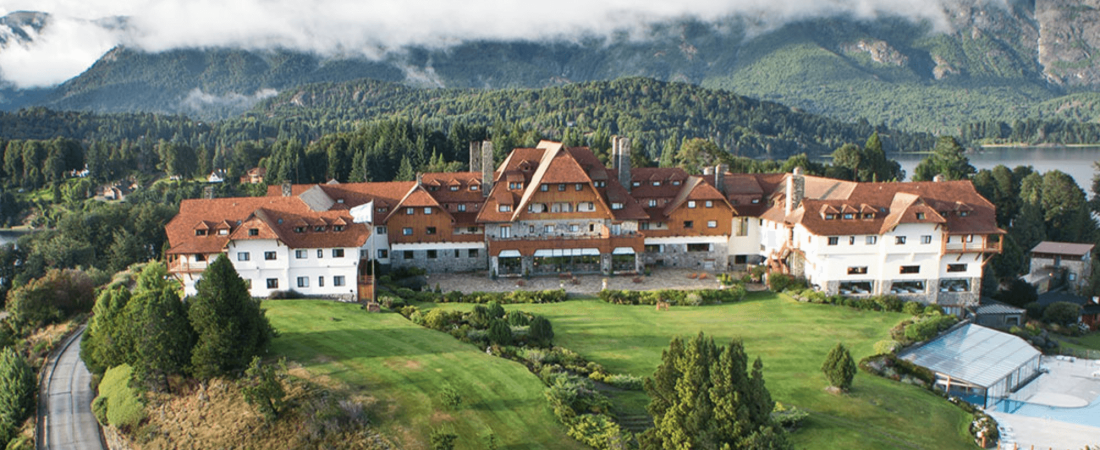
x,y
979,244
184,265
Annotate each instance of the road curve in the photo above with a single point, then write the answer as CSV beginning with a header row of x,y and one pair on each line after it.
x,y
68,422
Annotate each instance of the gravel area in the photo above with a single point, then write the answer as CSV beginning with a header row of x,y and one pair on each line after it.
x,y
586,284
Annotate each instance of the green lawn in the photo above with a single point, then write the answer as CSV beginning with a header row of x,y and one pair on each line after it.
x,y
792,339
404,366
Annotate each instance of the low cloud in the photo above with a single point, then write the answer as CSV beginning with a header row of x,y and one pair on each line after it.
x,y
202,102
70,43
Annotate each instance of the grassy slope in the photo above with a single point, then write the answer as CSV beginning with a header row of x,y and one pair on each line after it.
x,y
792,339
405,366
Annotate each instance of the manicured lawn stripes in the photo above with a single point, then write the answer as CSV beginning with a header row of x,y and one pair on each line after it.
x,y
405,366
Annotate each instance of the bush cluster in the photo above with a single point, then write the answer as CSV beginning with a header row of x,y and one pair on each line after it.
x,y
504,298
779,282
924,328
889,303
583,410
118,403
697,297
486,326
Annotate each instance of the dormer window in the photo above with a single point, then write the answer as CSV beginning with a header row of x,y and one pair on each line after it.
x,y
755,201
337,228
849,216
319,228
636,184
652,202
868,215
340,201
383,209
675,182
656,184
253,231
454,188
964,213
601,184
299,229
473,187
504,208
200,232
223,232
616,205
830,216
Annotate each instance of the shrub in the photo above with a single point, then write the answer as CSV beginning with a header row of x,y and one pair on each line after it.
x,y
451,297
933,309
541,333
928,327
443,439
693,299
437,319
889,303
450,396
517,319
886,346
912,308
500,333
408,311
1062,313
480,317
789,418
839,367
58,294
1035,310
262,387
124,404
406,293
779,282
629,382
495,310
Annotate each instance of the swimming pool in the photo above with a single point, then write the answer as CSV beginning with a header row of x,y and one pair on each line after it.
x,y
1086,415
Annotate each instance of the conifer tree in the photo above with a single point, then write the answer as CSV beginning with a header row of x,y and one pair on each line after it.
x,y
17,385
839,367
230,328
162,336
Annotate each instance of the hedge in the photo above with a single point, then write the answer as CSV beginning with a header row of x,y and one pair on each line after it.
x,y
697,297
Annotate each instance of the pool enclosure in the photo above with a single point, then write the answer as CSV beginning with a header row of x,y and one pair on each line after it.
x,y
978,364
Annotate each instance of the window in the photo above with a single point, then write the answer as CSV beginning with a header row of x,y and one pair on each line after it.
x,y
530,229
320,253
1072,276
899,240
857,270
456,253
868,215
872,240
319,228
652,248
299,229
337,253
273,283
505,232
561,187
338,280
578,186
253,231
429,231
833,240
454,188
755,201
636,183
698,247
380,230
910,269
337,228
849,216
851,240
969,238
472,230
300,254
544,187
956,267
688,224
652,202
691,203
223,232
548,229
433,254
920,216
320,281
303,282
601,184
269,256
243,256
712,224
473,187
383,253
709,204
964,213
643,225
586,206
427,210
830,216
504,208
675,182
409,211
926,239
407,254
407,231
656,183
461,207
616,229
616,206
200,232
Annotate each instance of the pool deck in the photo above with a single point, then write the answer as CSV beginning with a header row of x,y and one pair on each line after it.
x,y
1068,384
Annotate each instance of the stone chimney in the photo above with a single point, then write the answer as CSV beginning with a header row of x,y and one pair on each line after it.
x,y
939,178
488,166
475,156
208,192
287,191
796,189
720,177
708,170
419,179
620,160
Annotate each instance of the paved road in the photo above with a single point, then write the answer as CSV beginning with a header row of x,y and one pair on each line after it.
x,y
69,423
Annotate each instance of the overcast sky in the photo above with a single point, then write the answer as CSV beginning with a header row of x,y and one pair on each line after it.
x,y
72,42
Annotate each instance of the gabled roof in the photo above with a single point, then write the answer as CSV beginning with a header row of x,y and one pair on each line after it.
x,y
694,189
418,197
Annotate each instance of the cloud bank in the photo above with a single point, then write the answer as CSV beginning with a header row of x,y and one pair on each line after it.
x,y
72,40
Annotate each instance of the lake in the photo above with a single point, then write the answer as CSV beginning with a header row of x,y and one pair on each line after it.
x,y
1074,161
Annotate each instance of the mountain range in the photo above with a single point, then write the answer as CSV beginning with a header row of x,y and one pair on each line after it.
x,y
996,61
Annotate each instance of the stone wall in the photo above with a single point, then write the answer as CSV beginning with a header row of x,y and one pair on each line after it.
x,y
444,261
677,255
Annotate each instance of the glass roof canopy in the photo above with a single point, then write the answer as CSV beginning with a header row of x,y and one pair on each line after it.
x,y
973,353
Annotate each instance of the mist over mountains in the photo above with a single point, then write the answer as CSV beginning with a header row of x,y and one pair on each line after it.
x,y
922,65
